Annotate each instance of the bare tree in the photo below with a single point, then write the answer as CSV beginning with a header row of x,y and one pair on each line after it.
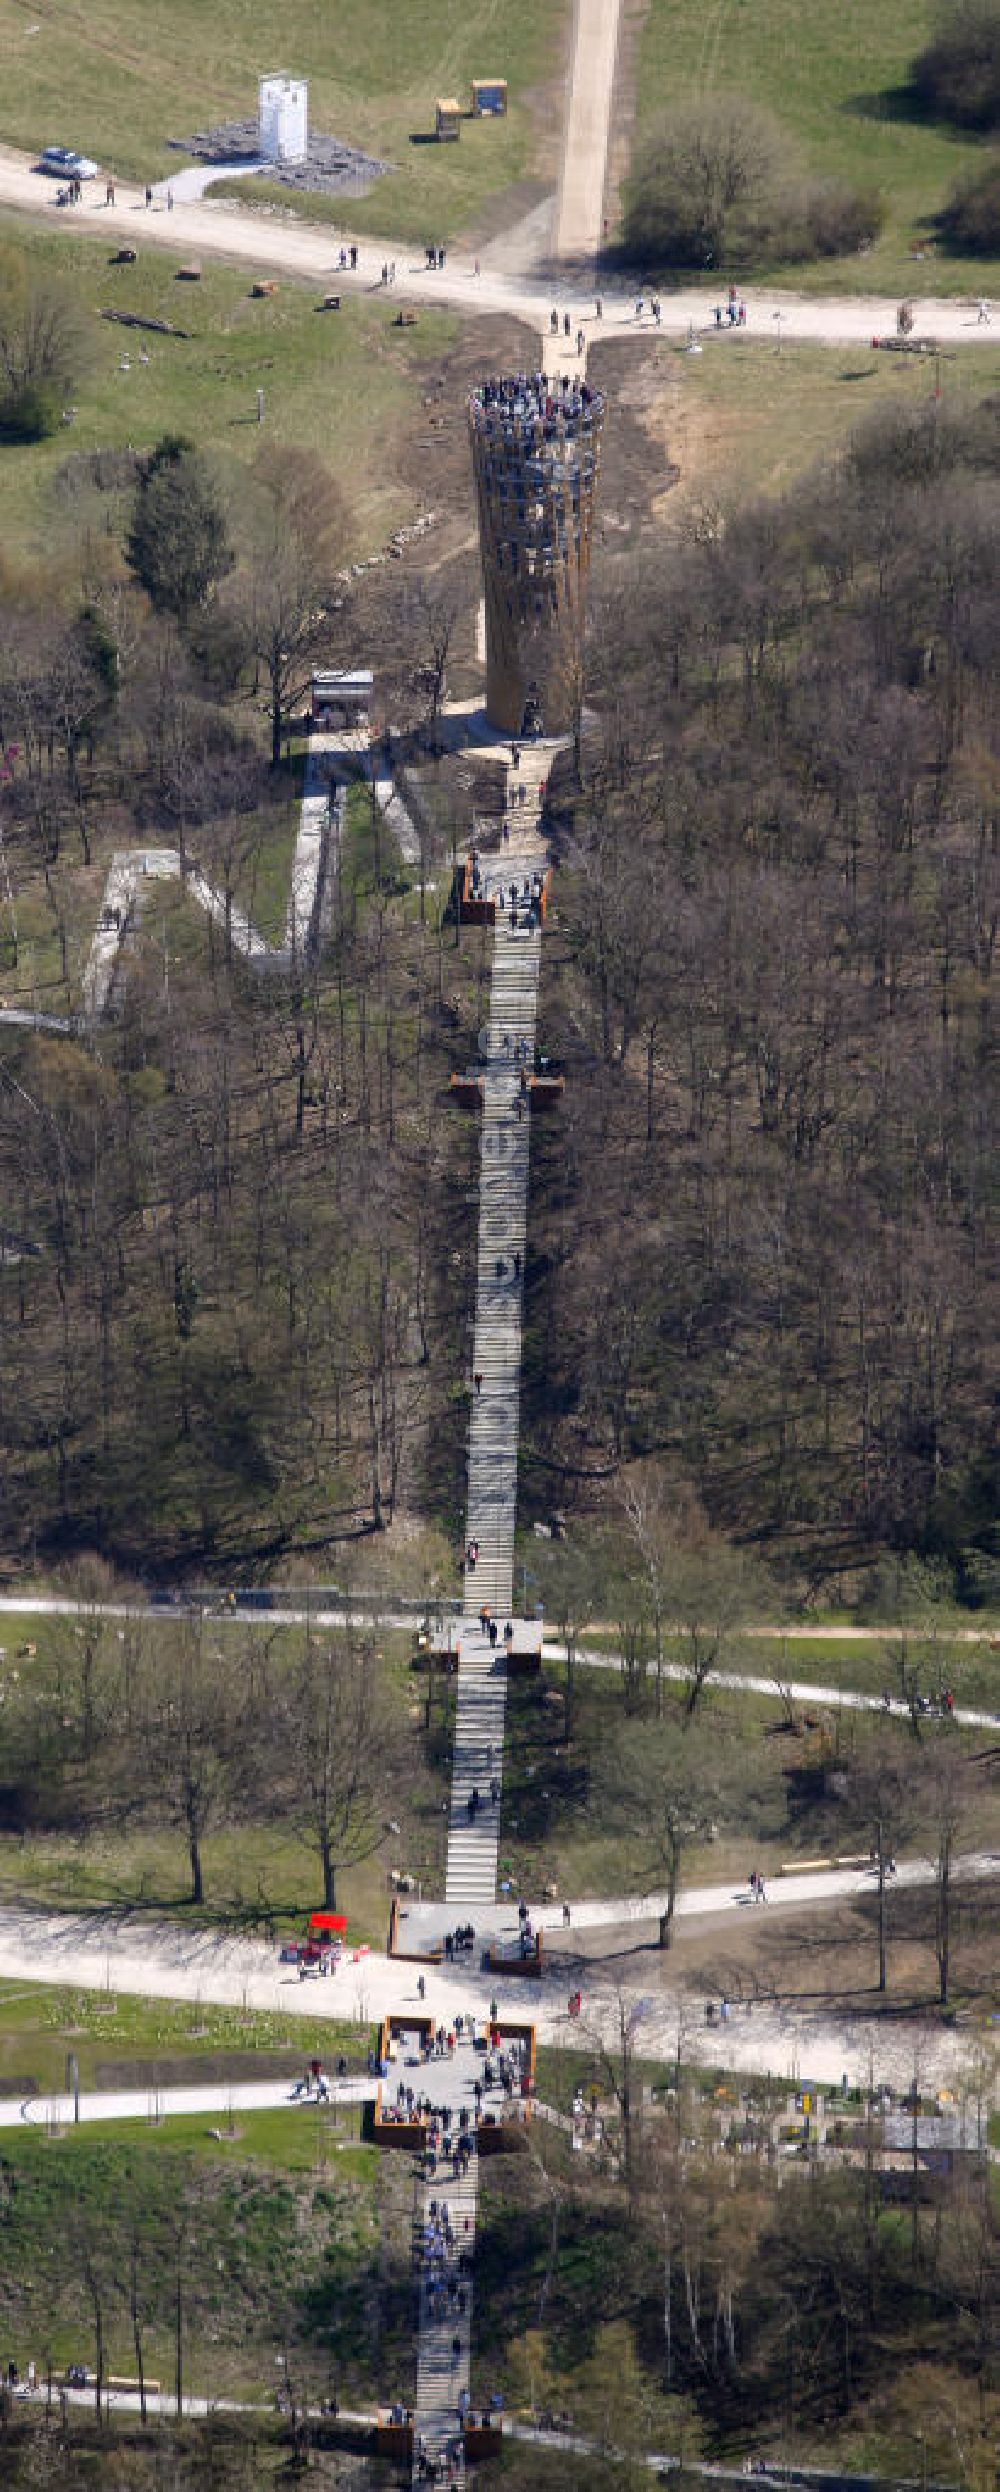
x,y
879,1792
944,1798
340,1740
193,1740
297,534
663,1787
572,1582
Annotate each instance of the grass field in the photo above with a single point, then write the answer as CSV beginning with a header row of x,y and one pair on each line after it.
x,y
861,1665
120,80
260,1873
292,2246
833,77
122,2041
343,385
746,417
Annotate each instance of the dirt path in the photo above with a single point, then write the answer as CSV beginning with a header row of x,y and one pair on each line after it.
x,y
579,216
289,246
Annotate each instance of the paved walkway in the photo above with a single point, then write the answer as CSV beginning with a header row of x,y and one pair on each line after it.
x,y
308,900
798,1691
176,2102
165,1961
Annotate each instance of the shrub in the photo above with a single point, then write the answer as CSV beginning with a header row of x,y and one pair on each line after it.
x,y
957,77
971,220
44,349
701,177
713,184
840,217
30,412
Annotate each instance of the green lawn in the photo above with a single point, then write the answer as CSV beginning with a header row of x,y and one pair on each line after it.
x,y
743,418
865,1667
832,77
261,1875
341,384
120,78
561,1821
289,2247
118,2040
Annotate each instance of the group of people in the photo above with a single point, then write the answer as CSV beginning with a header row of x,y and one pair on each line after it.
x,y
508,2071
459,1942
475,1800
313,2082
434,254
487,1622
532,398
567,327
525,904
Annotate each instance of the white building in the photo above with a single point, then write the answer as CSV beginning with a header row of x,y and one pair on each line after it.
x,y
283,119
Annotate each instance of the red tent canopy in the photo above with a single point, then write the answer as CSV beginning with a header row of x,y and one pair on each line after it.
x,y
328,1920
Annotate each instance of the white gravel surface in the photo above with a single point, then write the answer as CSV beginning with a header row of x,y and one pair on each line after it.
x,y
288,244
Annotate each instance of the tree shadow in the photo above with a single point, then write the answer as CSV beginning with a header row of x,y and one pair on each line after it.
x,y
904,105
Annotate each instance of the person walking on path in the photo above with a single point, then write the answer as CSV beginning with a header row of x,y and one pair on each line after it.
x,y
983,315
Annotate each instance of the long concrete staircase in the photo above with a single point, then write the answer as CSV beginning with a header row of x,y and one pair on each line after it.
x,y
443,2374
477,1769
496,1363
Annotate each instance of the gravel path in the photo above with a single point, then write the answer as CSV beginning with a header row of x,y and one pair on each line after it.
x,y
150,1960
291,246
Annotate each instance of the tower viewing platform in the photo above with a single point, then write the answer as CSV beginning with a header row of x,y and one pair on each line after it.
x,y
536,449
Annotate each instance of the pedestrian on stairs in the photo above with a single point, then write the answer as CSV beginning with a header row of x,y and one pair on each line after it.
x,y
478,1381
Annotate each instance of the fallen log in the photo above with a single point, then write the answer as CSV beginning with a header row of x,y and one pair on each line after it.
x,y
138,320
